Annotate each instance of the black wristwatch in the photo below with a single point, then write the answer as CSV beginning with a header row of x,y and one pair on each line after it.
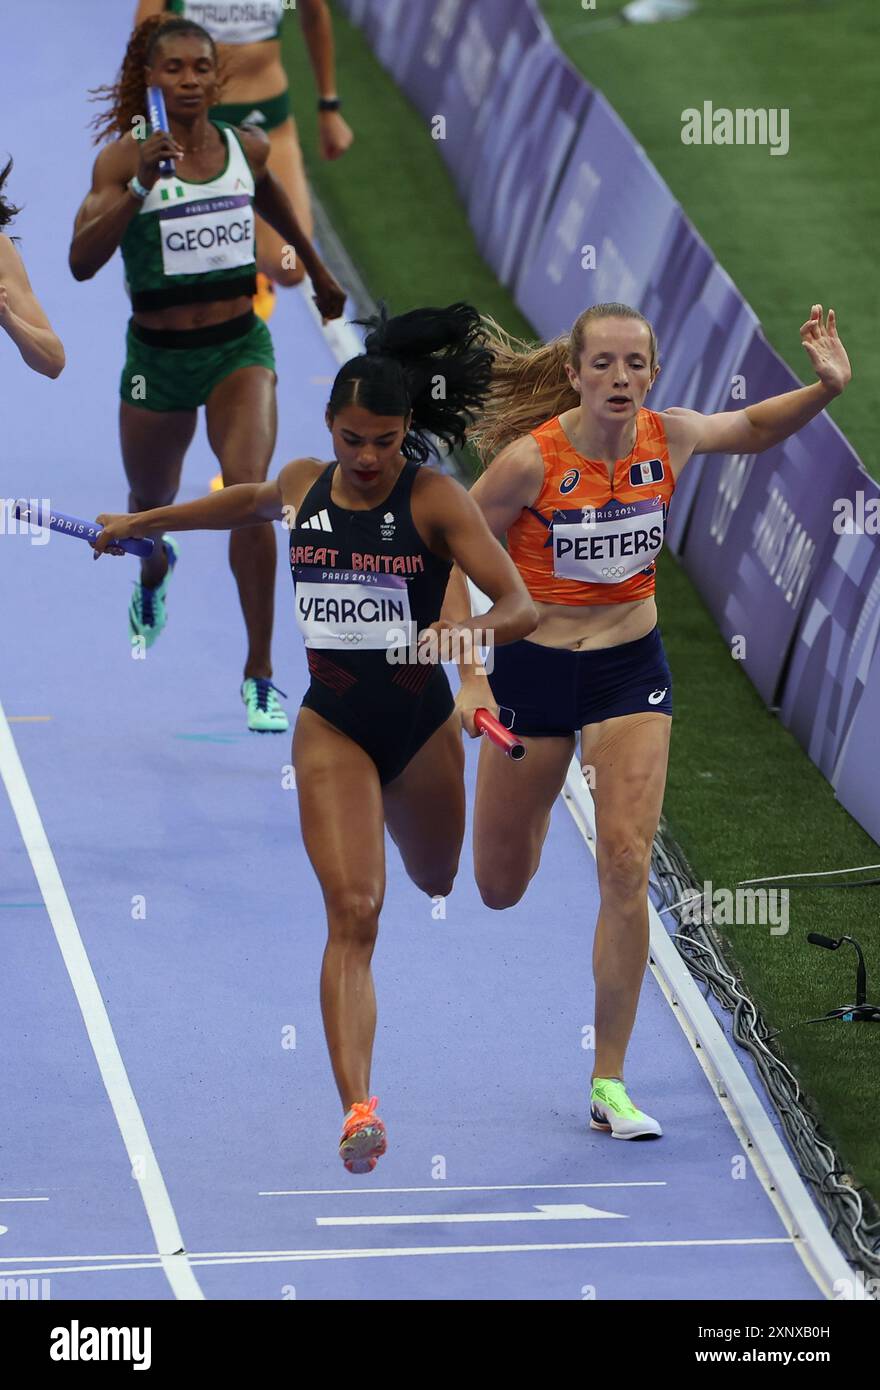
x,y
329,104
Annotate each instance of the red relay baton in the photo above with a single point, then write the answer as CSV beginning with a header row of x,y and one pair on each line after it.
x,y
494,730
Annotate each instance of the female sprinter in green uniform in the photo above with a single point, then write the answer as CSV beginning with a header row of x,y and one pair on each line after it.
x,y
378,741
248,39
188,246
21,314
580,487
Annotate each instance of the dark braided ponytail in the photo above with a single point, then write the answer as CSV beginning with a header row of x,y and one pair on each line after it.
x,y
432,363
127,96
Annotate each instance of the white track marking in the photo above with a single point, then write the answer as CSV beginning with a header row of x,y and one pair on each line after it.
x,y
160,1213
254,1257
570,1211
442,1187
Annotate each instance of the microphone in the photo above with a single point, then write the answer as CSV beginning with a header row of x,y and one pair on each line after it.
x,y
860,1011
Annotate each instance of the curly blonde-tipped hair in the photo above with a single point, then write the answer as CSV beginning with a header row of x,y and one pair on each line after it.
x,y
529,384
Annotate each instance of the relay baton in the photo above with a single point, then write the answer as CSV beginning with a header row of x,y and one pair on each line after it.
x,y
75,526
159,121
494,730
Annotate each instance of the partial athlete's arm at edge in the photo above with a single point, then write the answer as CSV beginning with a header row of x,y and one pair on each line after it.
x,y
241,504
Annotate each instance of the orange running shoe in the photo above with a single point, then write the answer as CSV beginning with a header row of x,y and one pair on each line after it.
x,y
363,1137
264,299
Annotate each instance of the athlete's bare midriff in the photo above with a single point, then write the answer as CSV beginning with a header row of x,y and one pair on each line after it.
x,y
251,71
182,317
580,627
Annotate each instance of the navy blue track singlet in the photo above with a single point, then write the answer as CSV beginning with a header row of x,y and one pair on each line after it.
x,y
365,580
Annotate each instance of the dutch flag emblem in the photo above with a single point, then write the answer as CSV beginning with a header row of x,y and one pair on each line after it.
x,y
642,474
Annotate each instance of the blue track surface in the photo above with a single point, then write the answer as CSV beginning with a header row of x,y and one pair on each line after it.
x,y
149,787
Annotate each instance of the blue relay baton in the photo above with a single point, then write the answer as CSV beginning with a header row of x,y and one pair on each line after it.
x,y
158,118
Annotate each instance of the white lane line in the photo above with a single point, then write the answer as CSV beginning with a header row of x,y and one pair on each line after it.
x,y
442,1187
24,1199
572,1211
254,1257
154,1193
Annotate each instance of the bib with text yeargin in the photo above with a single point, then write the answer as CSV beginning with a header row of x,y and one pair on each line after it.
x,y
353,610
605,545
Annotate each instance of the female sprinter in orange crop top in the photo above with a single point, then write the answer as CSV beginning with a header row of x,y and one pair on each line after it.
x,y
581,488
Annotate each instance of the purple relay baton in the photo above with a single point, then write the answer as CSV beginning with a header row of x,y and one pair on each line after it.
x,y
75,526
158,118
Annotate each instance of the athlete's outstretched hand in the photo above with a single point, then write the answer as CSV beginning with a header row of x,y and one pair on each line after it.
x,y
825,350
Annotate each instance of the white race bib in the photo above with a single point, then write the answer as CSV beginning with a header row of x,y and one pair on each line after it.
x,y
237,21
610,543
214,234
352,611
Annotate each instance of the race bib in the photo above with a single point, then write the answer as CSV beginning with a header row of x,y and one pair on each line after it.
x,y
215,234
609,544
237,21
349,610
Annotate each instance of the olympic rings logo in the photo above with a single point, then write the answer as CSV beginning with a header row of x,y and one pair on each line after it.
x,y
351,637
614,572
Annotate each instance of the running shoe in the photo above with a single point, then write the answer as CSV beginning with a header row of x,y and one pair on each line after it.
x,y
264,299
363,1139
612,1110
146,612
265,714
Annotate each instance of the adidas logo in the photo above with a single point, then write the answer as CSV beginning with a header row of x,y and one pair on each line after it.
x,y
255,117
319,522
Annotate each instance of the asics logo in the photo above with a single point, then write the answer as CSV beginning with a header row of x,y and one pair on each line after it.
x,y
656,696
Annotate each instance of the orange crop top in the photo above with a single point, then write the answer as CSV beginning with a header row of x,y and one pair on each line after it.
x,y
584,541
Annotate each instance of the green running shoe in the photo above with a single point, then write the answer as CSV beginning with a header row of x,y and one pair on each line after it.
x,y
612,1110
146,612
265,714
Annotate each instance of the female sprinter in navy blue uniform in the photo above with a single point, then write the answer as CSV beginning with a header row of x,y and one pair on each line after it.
x,y
372,540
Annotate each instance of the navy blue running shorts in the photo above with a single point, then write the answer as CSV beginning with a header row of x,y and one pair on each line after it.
x,y
552,691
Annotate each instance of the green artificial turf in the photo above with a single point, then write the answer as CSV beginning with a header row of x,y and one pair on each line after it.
x,y
791,230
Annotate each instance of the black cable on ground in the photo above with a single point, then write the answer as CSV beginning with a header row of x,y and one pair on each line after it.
x,y
851,1212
